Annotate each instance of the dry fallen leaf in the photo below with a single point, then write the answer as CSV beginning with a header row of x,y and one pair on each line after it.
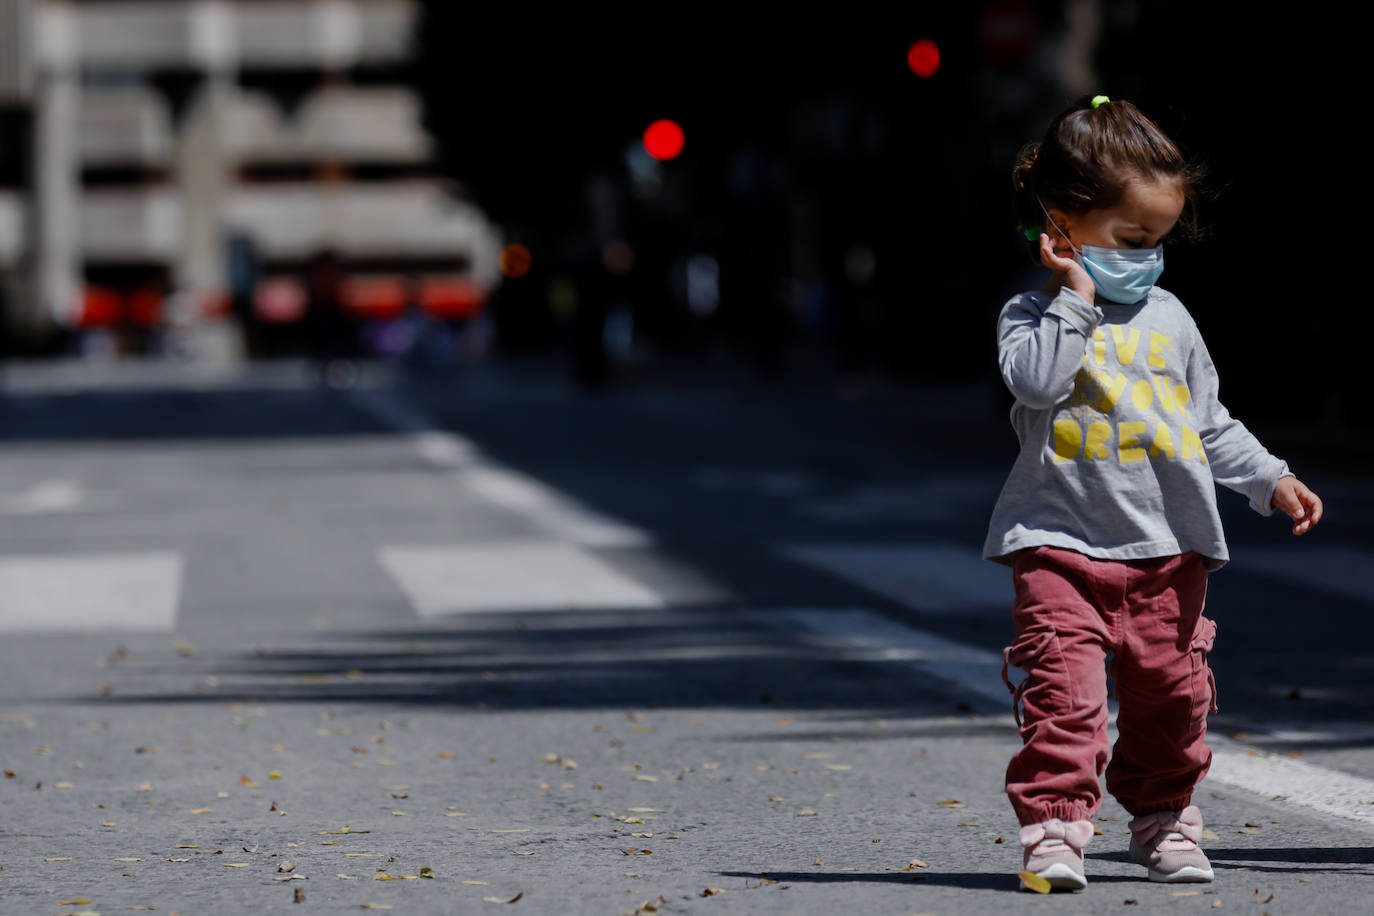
x,y
499,900
427,872
58,859
807,812
1216,903
839,766
376,906
237,864
243,778
712,891
286,865
1209,834
476,882
1033,882
952,803
202,810
514,830
300,896
646,908
1265,900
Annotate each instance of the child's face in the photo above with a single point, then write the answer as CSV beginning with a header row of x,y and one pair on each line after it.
x,y
1145,214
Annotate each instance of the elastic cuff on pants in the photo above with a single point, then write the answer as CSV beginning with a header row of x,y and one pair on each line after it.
x,y
1176,804
1065,811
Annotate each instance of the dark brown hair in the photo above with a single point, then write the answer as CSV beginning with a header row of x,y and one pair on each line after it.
x,y
1088,157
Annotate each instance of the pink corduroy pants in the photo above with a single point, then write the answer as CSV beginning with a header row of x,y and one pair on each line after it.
x,y
1071,611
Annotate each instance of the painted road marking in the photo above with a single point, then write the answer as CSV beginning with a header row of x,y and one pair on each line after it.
x,y
137,591
46,497
976,672
558,515
932,578
1343,570
510,576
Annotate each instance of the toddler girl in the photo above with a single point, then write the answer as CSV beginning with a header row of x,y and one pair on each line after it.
x,y
1109,518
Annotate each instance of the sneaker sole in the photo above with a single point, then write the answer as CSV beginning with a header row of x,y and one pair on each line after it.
x,y
1185,875
1063,878
1188,874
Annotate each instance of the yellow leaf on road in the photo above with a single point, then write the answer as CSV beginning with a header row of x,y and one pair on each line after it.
x,y
1209,834
202,810
476,882
237,864
1033,882
839,766
243,778
515,830
499,900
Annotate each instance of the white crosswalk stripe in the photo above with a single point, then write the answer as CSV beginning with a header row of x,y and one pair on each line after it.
x,y
510,576
138,591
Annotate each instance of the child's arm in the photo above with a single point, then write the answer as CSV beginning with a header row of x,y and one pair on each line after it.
x,y
1040,350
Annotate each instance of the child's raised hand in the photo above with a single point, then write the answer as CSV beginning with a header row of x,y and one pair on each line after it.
x,y
1067,271
1302,505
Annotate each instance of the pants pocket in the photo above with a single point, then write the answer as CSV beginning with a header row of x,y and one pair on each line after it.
x,y
1204,682
1044,690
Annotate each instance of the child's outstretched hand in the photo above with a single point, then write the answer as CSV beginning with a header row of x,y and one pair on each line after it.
x,y
1067,271
1302,505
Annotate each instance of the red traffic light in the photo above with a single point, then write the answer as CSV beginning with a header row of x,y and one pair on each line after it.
x,y
663,139
923,57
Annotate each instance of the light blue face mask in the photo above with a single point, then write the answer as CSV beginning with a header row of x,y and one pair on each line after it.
x,y
1122,275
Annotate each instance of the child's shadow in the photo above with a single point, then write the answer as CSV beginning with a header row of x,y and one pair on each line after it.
x,y
1295,859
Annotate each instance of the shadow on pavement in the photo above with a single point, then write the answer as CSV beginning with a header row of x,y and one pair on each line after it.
x,y
678,658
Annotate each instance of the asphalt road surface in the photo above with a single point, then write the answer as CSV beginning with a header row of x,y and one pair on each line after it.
x,y
688,646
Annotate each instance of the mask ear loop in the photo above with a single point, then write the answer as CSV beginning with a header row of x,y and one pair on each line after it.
x,y
1062,233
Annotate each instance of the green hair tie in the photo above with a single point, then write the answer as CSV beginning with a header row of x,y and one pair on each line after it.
x,y
1099,101
1032,235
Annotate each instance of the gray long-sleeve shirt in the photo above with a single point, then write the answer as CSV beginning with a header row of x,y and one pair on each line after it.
x,y
1122,435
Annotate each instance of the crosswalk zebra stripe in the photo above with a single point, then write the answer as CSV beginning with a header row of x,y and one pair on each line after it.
x,y
118,591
